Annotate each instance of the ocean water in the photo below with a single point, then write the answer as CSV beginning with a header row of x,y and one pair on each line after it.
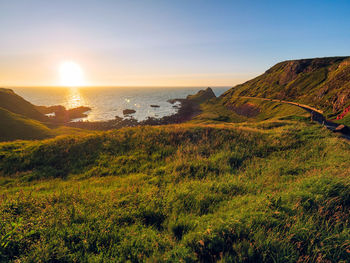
x,y
107,103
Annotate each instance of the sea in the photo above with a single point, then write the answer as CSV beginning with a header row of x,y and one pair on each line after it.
x,y
108,102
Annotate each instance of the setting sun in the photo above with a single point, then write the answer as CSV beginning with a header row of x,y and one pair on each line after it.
x,y
71,74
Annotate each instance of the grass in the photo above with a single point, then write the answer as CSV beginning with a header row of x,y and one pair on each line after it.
x,y
270,191
217,111
16,104
322,83
17,127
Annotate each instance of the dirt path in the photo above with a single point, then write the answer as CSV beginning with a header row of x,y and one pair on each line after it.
x,y
316,114
304,106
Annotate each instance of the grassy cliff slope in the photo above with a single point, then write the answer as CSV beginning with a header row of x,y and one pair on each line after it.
x,y
16,104
320,82
14,126
238,110
17,127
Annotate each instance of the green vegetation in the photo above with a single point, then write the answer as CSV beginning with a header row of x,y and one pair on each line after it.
x,y
202,96
17,127
219,110
16,104
14,126
273,191
322,82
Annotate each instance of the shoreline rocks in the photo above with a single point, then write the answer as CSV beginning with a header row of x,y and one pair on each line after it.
x,y
187,109
59,114
128,111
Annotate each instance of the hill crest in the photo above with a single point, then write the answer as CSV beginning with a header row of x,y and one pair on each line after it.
x,y
12,102
319,82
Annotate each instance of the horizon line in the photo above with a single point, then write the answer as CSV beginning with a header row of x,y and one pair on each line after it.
x,y
116,86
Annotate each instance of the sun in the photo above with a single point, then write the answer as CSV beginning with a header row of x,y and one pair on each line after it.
x,y
71,74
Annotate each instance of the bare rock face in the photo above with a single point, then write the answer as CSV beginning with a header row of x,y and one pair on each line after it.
x,y
202,96
341,100
128,111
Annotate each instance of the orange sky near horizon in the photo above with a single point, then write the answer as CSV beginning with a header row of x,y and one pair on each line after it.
x,y
28,70
47,74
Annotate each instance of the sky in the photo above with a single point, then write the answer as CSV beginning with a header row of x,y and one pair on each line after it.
x,y
163,42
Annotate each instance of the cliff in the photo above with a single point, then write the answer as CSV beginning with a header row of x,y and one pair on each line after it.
x,y
12,102
319,82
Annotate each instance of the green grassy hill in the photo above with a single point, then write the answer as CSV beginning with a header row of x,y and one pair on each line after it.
x,y
271,191
17,127
14,126
239,110
16,104
320,82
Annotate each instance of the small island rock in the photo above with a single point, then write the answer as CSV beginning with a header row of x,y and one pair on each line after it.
x,y
128,111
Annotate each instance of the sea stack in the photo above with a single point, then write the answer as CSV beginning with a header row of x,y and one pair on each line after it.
x,y
202,96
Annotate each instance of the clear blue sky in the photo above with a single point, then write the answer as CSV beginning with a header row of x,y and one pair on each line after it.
x,y
189,42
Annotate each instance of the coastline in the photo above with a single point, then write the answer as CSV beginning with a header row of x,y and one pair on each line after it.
x,y
186,111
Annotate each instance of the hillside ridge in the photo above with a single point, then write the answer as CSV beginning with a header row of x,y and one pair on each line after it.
x,y
12,102
320,82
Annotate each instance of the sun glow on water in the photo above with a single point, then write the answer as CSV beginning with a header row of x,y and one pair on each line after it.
x,y
71,74
74,98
